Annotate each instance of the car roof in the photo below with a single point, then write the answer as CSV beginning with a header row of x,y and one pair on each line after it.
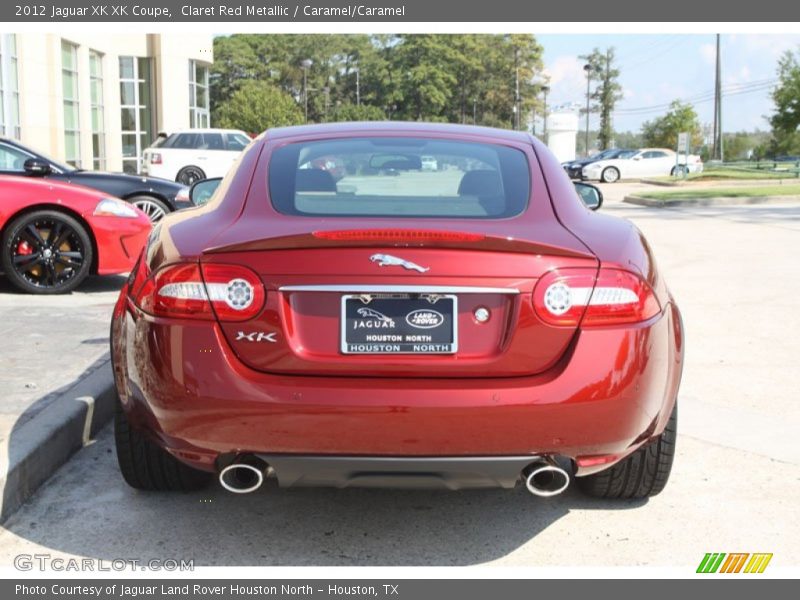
x,y
390,127
200,130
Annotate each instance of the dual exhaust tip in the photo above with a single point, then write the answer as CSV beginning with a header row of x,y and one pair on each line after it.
x,y
543,477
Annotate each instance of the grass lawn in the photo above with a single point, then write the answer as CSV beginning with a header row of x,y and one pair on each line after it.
x,y
742,192
713,174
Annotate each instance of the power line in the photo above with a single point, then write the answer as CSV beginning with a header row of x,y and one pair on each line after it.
x,y
729,90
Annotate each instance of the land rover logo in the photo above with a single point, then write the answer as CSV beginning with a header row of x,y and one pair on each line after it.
x,y
424,318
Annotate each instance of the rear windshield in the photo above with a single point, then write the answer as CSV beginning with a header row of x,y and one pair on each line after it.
x,y
402,177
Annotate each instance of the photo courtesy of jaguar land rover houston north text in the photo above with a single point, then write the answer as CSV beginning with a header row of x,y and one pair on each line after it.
x,y
340,314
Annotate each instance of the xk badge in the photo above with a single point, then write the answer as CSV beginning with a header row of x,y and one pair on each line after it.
x,y
256,336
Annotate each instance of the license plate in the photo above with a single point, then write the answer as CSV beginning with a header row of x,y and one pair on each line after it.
x,y
399,325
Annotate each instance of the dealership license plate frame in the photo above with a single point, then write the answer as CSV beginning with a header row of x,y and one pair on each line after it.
x,y
432,299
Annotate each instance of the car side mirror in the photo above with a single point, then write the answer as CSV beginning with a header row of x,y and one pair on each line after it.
x,y
202,191
589,194
37,167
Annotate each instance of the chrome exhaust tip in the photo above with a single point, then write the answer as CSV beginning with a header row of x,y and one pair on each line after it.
x,y
241,477
544,478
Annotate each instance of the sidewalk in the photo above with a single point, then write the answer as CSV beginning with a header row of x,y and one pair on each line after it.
x,y
55,381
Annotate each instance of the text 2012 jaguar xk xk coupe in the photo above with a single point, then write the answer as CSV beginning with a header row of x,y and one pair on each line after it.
x,y
475,325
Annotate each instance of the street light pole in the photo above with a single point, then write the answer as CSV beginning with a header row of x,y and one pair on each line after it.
x,y
305,64
516,88
358,87
545,89
588,68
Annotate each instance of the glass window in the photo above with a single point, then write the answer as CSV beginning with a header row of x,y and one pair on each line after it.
x,y
69,85
98,111
198,95
9,91
237,141
135,90
388,177
12,159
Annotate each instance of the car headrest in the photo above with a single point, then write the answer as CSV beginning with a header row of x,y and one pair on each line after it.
x,y
314,180
482,183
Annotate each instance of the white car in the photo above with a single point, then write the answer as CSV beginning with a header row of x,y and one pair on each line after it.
x,y
429,163
635,164
194,154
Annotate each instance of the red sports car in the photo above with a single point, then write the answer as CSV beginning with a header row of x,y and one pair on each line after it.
x,y
473,326
55,234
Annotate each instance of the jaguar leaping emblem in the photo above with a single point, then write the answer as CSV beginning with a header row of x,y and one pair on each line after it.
x,y
370,313
387,260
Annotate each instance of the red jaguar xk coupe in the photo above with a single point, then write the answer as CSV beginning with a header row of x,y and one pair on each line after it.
x,y
56,234
472,325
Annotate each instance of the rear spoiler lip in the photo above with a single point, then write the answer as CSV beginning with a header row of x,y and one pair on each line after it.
x,y
490,243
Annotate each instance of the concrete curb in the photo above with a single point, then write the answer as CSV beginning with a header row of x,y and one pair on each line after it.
x,y
718,201
37,448
728,183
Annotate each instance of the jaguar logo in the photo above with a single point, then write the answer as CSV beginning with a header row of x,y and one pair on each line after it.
x,y
373,320
424,318
387,260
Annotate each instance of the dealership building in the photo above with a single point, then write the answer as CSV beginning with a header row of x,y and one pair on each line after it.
x,y
96,101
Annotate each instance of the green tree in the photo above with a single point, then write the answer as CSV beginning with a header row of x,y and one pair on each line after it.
x,y
786,96
628,139
353,112
256,106
607,91
431,77
663,132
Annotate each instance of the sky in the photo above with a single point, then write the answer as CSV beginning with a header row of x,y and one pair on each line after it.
x,y
656,69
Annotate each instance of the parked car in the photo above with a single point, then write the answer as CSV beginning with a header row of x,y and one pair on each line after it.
x,y
55,234
479,327
429,163
646,162
194,154
155,197
575,167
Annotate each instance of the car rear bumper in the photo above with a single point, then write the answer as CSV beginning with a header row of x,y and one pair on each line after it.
x,y
611,392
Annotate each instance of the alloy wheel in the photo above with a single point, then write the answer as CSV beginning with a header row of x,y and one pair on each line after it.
x,y
47,253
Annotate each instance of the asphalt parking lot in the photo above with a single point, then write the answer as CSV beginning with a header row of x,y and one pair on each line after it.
x,y
734,487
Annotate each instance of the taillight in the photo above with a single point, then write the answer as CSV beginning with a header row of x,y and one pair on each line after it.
x,y
569,297
232,292
155,158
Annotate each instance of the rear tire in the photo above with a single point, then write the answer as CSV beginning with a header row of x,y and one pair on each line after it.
x,y
610,175
188,175
643,474
146,466
154,208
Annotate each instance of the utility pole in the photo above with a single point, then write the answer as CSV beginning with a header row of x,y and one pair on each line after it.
x,y
474,111
516,89
588,68
545,89
305,64
358,87
718,151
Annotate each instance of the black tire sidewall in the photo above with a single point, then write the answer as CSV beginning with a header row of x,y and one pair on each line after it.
x,y
190,168
14,228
